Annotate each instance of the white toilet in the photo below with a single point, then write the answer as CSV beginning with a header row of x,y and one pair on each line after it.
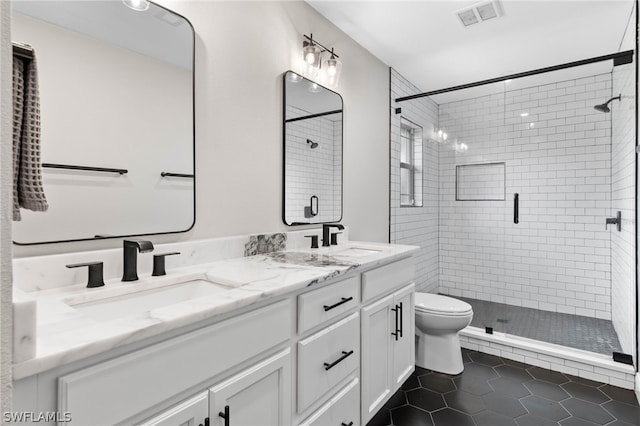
x,y
438,321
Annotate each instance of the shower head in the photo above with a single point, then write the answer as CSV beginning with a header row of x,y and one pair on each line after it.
x,y
313,144
605,106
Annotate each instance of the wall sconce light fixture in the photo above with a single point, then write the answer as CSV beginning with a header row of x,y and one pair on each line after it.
x,y
312,53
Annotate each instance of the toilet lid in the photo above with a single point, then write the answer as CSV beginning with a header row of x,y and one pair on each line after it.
x,y
435,303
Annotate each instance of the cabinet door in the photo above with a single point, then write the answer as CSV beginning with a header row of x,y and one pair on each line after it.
x,y
260,395
191,412
377,350
404,346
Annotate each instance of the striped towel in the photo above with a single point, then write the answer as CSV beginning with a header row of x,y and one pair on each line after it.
x,y
28,191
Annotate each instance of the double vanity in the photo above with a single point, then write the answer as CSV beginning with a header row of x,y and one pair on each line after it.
x,y
292,336
258,329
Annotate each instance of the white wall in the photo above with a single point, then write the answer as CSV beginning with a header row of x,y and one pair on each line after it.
x,y
6,209
558,257
242,50
416,225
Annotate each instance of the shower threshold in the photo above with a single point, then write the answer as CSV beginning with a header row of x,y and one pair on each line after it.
x,y
587,365
574,331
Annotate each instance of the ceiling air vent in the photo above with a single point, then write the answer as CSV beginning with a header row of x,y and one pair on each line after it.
x,y
479,12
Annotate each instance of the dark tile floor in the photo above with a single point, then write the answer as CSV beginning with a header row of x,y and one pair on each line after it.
x,y
574,331
494,391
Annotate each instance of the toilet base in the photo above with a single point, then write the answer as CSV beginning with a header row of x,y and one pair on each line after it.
x,y
440,353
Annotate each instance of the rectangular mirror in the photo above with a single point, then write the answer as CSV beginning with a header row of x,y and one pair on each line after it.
x,y
312,152
116,92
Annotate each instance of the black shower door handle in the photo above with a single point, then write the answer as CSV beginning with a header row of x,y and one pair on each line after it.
x,y
516,208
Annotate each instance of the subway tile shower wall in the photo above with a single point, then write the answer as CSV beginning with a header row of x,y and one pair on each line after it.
x,y
558,158
622,199
312,171
416,225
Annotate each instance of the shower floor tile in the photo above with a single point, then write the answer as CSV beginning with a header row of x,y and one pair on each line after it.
x,y
575,331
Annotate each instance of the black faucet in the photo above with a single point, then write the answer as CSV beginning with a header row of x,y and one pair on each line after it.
x,y
130,262
326,240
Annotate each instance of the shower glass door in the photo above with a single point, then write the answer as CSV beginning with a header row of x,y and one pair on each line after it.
x,y
571,163
537,205
475,203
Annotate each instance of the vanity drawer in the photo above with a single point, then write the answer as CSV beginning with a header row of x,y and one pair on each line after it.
x,y
326,303
113,391
326,358
385,279
342,409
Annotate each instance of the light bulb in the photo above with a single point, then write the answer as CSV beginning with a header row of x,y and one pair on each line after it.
x,y
310,58
315,88
333,67
311,54
444,136
292,77
137,5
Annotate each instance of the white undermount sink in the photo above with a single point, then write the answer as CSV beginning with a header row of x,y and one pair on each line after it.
x,y
132,303
356,252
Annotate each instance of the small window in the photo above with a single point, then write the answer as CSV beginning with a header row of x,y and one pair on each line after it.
x,y
410,164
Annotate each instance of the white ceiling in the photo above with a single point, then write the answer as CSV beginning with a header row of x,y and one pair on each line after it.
x,y
425,42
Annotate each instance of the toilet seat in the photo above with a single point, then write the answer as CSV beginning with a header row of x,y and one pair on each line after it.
x,y
441,305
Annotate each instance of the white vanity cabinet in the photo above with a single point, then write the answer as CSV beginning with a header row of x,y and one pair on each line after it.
x,y
388,341
260,395
122,388
328,354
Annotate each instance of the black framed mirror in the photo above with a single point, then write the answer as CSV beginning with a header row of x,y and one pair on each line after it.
x,y
313,137
117,119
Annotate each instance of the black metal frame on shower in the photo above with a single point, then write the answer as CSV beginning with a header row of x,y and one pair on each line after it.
x,y
24,51
637,336
619,58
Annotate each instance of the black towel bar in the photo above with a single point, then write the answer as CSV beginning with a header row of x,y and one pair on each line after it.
x,y
183,175
88,168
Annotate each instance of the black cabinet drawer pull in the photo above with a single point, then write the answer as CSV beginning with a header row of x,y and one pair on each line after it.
x,y
516,208
226,415
400,316
337,361
345,424
342,301
397,332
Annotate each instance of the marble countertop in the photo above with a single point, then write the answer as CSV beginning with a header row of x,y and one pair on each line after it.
x,y
65,334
